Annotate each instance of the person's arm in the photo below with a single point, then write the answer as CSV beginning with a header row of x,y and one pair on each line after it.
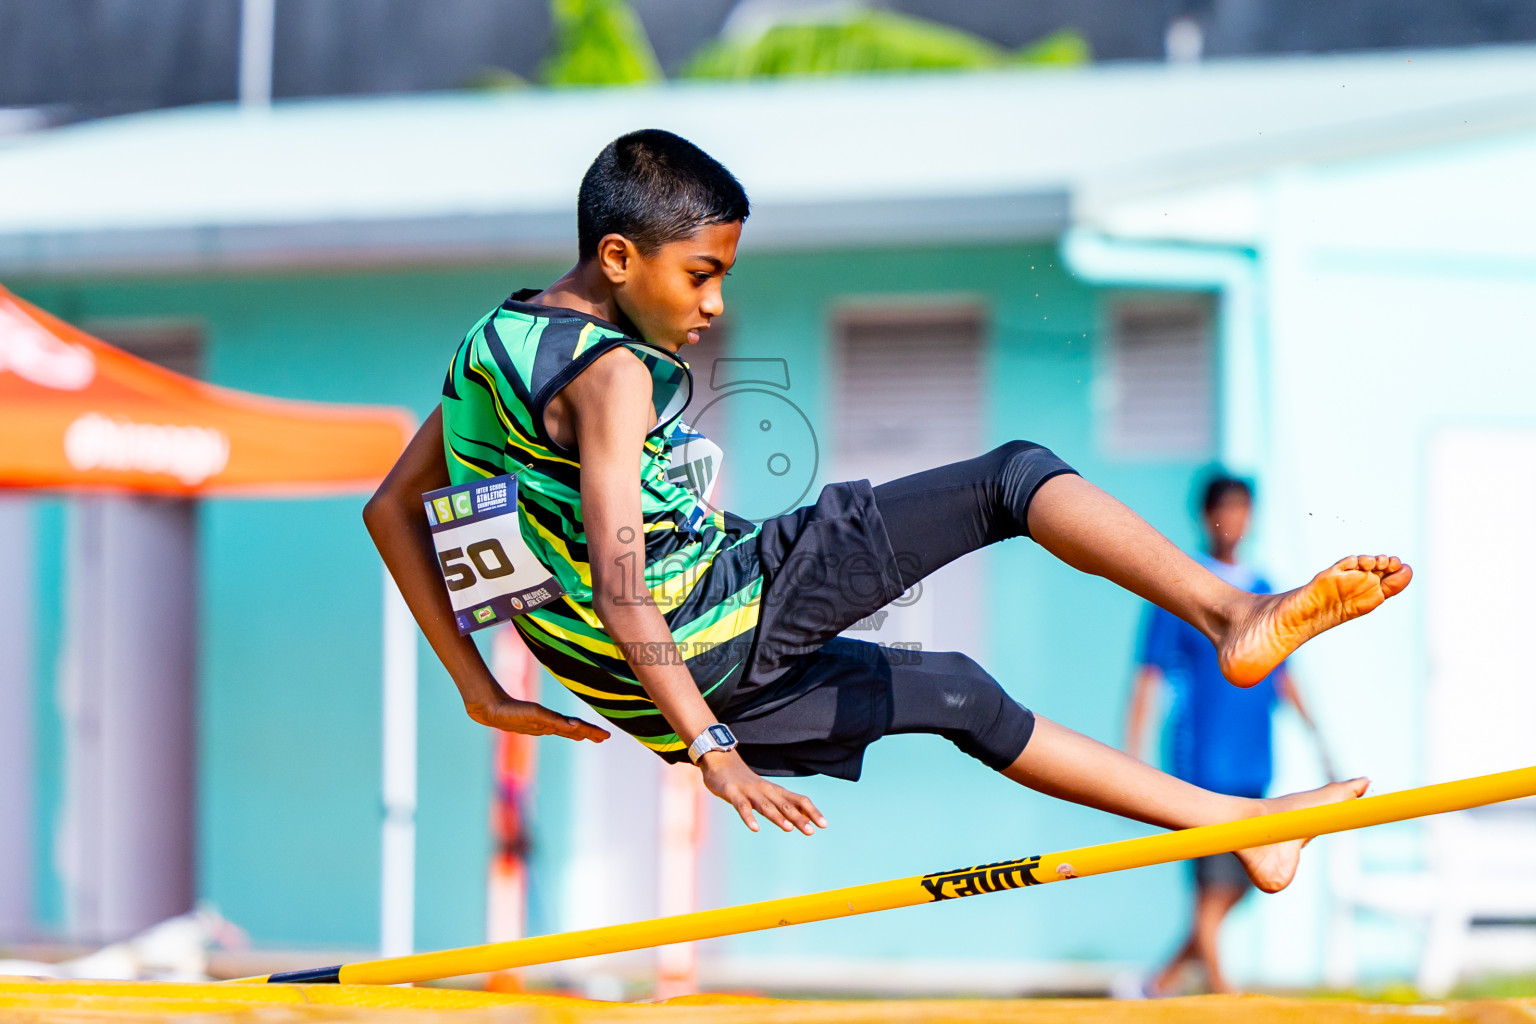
x,y
1142,691
611,411
1287,690
1155,646
400,531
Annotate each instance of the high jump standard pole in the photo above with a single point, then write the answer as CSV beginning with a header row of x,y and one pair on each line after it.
x,y
943,885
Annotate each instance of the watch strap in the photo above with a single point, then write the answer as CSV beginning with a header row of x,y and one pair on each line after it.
x,y
711,739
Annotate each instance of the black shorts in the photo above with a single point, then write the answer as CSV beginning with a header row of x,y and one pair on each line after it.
x,y
809,701
1221,871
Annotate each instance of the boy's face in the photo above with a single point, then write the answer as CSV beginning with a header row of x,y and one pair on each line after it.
x,y
1227,521
672,295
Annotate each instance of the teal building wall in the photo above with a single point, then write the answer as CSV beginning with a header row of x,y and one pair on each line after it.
x,y
289,797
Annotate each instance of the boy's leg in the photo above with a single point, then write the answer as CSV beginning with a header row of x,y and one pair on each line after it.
x,y
1070,766
1165,980
1020,489
1091,531
950,695
1212,905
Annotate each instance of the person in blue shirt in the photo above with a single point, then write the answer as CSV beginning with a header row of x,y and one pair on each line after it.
x,y
1220,734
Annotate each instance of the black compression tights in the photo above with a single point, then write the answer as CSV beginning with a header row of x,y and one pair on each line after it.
x,y
932,518
935,516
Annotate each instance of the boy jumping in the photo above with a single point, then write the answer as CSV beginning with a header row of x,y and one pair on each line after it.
x,y
711,638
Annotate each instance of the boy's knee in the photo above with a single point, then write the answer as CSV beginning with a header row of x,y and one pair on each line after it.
x,y
994,727
952,696
1022,467
969,698
1026,458
1010,449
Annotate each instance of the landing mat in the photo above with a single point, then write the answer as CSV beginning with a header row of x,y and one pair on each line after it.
x,y
32,1001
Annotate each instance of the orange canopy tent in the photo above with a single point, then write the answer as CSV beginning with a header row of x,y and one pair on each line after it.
x,y
77,413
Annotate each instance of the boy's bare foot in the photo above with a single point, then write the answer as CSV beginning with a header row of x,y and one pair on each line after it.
x,y
1272,867
1275,625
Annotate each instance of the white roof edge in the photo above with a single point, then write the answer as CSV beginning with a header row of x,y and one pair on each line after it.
x,y
834,162
503,237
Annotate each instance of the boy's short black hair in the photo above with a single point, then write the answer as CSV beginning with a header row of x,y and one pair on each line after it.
x,y
1222,484
654,187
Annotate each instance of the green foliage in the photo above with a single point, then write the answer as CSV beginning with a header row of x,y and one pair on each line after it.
x,y
599,42
1064,47
872,40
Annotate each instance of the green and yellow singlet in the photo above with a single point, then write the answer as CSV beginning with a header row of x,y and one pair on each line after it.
x,y
701,565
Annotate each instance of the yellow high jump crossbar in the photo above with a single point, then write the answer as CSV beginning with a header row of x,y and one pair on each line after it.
x,y
943,885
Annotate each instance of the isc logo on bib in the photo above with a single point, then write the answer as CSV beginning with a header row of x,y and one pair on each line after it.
x,y
490,574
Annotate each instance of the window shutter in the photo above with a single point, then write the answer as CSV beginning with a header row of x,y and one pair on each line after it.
x,y
1160,392
909,391
174,344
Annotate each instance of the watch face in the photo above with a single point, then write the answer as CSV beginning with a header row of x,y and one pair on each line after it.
x,y
721,735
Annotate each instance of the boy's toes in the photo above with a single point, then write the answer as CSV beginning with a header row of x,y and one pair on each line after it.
x,y
1393,583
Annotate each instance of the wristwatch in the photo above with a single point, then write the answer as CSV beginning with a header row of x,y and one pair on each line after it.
x,y
716,737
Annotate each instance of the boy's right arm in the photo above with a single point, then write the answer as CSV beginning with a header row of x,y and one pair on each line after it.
x,y
611,406
399,530
1147,678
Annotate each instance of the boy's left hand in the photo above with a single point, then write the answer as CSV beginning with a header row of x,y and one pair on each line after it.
x,y
522,716
727,776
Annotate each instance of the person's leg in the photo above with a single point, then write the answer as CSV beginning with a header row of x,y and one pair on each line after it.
x,y
935,516
950,695
1070,766
1023,490
1164,982
945,693
1252,633
1212,905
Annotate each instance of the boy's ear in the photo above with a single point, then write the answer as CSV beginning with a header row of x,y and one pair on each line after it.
x,y
616,256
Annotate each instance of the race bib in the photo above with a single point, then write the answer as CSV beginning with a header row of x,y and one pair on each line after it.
x,y
695,464
490,574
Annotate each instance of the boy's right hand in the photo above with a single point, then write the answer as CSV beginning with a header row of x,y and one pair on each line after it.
x,y
727,776
522,716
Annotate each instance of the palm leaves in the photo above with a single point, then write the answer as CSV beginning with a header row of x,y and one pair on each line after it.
x,y
602,42
872,40
599,42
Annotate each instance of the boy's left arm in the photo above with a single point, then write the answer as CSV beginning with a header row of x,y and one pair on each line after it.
x,y
400,531
1285,686
1143,689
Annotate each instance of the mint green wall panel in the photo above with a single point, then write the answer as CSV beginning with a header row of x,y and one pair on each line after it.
x,y
48,519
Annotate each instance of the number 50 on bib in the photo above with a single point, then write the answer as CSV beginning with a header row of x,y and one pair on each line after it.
x,y
490,574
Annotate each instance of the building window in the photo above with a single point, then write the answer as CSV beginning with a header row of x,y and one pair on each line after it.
x,y
909,390
1158,386
174,344
910,396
